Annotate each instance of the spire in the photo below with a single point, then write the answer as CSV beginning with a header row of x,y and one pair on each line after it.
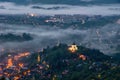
x,y
58,43
9,63
38,58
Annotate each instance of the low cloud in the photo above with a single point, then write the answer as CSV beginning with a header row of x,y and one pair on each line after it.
x,y
103,38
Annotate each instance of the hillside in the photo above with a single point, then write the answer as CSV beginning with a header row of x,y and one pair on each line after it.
x,y
82,63
62,62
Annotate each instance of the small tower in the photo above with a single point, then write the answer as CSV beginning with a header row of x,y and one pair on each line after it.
x,y
38,58
58,43
9,61
83,22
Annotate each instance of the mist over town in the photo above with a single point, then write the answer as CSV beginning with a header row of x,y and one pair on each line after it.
x,y
59,40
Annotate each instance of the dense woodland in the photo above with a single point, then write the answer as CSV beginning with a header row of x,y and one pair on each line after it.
x,y
9,37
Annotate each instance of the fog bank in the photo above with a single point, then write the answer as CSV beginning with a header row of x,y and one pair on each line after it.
x,y
105,38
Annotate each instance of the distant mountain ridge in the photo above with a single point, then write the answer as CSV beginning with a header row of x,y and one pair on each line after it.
x,y
71,2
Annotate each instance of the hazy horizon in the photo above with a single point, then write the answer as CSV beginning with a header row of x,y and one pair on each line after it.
x,y
105,9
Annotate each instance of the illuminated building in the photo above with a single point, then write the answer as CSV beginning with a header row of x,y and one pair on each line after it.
x,y
83,57
73,48
9,63
38,58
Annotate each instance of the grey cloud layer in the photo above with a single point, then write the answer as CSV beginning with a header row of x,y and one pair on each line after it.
x,y
104,38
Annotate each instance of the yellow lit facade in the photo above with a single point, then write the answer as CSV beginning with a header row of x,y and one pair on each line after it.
x,y
73,48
